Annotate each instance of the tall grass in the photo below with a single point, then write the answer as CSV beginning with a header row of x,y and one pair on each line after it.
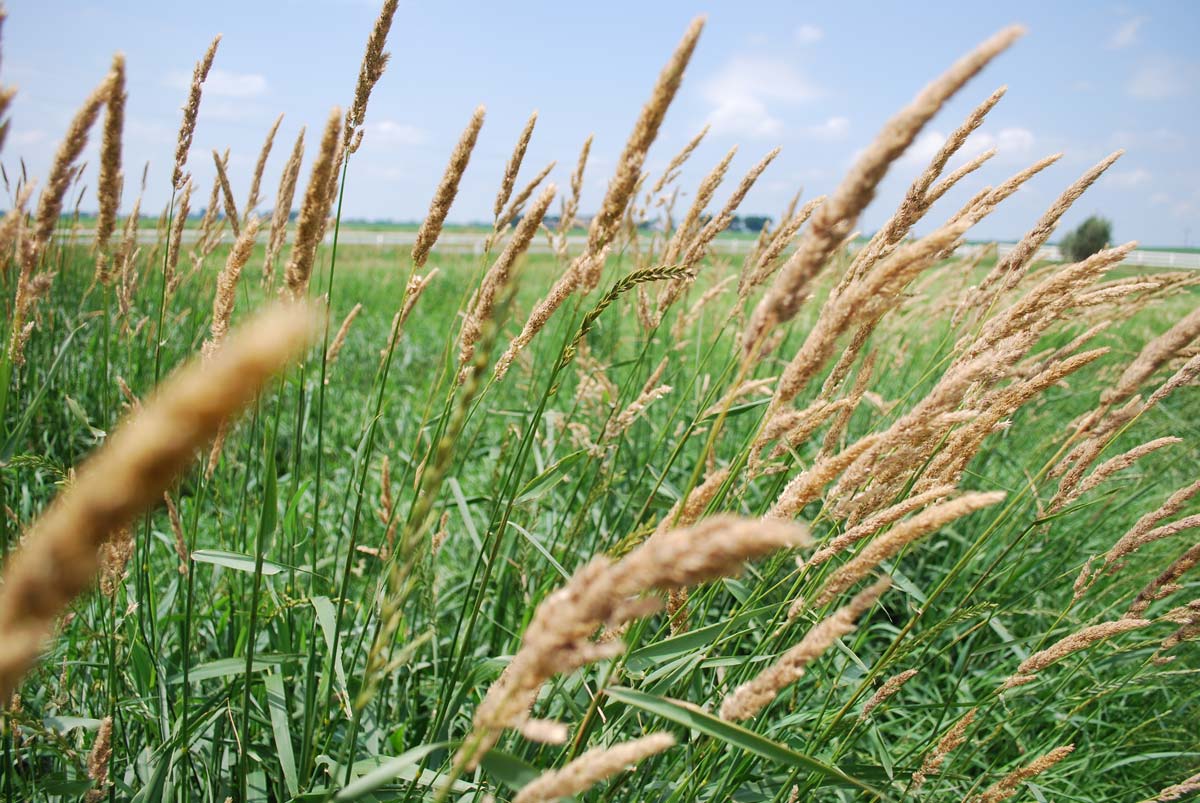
x,y
840,520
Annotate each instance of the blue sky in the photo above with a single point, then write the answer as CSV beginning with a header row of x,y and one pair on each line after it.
x,y
818,79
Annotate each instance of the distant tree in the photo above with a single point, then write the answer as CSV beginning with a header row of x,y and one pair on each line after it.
x,y
755,223
1091,236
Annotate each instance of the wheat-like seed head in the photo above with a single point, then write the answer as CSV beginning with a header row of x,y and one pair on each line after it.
x,y
592,767
283,207
187,129
314,211
1006,787
259,167
514,166
443,197
750,698
110,178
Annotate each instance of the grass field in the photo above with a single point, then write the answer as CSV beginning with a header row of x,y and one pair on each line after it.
x,y
407,574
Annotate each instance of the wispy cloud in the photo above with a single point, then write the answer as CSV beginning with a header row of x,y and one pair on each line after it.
x,y
741,90
833,129
1128,179
1157,80
1126,33
1012,144
223,83
808,34
391,132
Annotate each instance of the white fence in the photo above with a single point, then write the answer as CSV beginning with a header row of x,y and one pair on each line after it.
x,y
472,242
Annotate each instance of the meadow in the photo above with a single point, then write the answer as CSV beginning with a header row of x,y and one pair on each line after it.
x,y
840,519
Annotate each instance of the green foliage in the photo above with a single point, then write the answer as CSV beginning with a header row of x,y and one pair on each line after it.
x,y
1089,237
271,662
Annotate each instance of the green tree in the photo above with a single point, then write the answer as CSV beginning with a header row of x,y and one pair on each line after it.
x,y
1091,235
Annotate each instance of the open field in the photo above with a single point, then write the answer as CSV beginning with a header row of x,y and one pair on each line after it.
x,y
296,519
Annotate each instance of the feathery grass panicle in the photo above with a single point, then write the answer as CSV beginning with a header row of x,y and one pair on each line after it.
x,y
115,554
633,156
1144,529
1007,786
688,225
314,211
592,767
339,340
1106,469
807,485
1180,790
497,278
622,421
1153,356
837,217
283,208
231,213
29,288
1008,271
603,593
862,300
181,548
127,277
14,224
513,168
175,239
518,202
97,762
697,247
187,129
443,197
108,182
988,199
584,272
765,265
1165,584
887,691
958,174
571,203
259,167
1188,618
412,293
138,462
374,62
1027,670
949,464
687,510
877,522
888,544
671,172
227,281
954,738
917,200
750,698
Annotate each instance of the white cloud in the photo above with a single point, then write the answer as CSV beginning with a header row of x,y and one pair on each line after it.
x,y
923,148
391,132
1156,81
834,128
223,83
1013,141
740,91
1128,179
809,34
1012,144
1126,33
1164,139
